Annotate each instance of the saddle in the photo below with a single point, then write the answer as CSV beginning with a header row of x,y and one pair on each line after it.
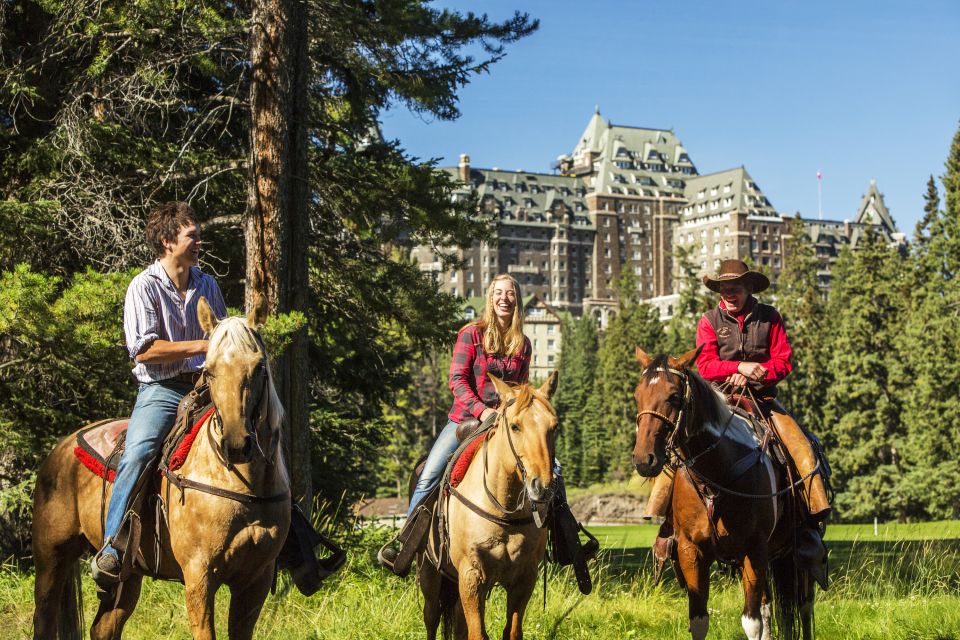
x,y
143,528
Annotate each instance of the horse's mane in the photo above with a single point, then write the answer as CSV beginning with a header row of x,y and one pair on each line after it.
x,y
233,333
709,406
526,394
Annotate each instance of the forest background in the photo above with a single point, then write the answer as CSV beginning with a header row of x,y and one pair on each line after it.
x,y
109,108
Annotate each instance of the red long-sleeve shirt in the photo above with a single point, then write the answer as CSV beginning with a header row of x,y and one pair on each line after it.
x,y
714,369
472,390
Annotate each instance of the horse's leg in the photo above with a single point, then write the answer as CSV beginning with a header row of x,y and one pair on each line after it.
x,y
430,580
766,611
246,603
53,588
200,590
473,596
696,572
754,579
518,595
109,621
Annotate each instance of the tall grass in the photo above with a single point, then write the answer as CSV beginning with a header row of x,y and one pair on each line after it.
x,y
883,588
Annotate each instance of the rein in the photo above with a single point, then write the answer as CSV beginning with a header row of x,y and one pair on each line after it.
x,y
689,463
258,415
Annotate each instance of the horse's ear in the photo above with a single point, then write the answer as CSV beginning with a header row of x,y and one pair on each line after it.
x,y
684,361
503,389
258,312
643,358
549,387
206,316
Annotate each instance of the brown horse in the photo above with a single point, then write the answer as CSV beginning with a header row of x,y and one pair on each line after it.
x,y
731,499
493,538
231,538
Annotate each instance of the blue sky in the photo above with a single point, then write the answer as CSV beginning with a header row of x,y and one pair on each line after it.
x,y
858,90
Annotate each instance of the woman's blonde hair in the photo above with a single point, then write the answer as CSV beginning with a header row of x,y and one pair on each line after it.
x,y
495,341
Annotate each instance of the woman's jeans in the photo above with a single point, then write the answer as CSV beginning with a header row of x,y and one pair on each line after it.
x,y
153,416
443,448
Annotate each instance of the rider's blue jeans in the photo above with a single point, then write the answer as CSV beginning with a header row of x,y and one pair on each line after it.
x,y
153,415
443,448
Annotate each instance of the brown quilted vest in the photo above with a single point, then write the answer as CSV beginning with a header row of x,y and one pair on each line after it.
x,y
749,345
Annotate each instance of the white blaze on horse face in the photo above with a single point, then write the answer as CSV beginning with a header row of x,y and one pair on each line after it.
x,y
699,627
652,381
753,627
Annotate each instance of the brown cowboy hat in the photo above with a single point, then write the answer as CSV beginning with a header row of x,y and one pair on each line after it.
x,y
736,272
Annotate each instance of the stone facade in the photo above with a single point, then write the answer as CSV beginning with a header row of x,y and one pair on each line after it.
x,y
626,198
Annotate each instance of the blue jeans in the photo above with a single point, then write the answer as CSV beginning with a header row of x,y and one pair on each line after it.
x,y
436,462
443,448
153,416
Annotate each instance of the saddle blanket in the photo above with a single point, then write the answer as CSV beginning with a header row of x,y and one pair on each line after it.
x,y
463,462
99,446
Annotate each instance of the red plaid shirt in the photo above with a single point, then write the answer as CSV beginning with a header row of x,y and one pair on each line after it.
x,y
472,390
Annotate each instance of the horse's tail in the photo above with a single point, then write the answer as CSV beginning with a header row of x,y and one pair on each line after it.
x,y
70,616
449,597
792,590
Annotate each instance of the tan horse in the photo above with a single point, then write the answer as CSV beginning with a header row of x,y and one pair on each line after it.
x,y
731,499
493,538
228,539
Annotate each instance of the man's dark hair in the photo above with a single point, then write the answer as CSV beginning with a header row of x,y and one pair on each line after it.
x,y
164,224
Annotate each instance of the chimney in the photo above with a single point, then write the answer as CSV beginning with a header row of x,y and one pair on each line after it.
x,y
464,168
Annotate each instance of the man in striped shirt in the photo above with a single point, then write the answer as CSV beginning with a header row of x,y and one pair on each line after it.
x,y
168,347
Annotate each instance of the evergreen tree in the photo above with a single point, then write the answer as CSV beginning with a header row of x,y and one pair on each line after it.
x,y
931,211
861,427
609,441
577,369
694,301
800,302
928,345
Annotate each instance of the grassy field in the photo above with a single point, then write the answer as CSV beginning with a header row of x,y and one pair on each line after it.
x,y
903,583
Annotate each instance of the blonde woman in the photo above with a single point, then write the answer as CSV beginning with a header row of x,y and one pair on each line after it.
x,y
493,344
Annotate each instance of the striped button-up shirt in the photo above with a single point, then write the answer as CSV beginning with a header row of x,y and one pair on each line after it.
x,y
154,310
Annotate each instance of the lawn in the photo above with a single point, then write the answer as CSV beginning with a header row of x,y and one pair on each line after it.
x,y
900,584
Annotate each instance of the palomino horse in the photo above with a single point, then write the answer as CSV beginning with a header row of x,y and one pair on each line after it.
x,y
731,500
493,538
230,536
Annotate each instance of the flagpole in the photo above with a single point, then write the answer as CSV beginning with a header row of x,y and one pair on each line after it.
x,y
819,195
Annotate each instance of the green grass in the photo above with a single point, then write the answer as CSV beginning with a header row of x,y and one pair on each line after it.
x,y
902,585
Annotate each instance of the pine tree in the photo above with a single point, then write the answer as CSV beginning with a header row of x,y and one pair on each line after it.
x,y
577,367
800,302
931,211
694,301
610,442
861,427
928,345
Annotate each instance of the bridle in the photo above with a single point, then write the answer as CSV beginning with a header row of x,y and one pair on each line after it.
x,y
258,414
675,425
523,471
674,450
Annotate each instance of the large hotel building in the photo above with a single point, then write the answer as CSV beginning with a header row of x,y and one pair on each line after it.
x,y
626,198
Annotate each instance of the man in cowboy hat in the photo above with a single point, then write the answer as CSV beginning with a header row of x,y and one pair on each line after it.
x,y
744,344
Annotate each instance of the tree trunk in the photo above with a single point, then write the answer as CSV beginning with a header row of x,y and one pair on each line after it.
x,y
277,228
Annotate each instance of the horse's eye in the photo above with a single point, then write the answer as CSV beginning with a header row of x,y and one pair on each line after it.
x,y
675,400
515,427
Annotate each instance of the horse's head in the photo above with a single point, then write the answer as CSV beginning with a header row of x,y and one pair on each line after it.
x,y
662,395
237,369
528,427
